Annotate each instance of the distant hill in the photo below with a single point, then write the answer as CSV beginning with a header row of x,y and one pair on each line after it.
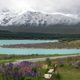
x,y
22,35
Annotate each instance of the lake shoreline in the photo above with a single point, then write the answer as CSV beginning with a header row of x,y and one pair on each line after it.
x,y
39,47
73,44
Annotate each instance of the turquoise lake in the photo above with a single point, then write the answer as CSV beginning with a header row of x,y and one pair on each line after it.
x,y
32,50
9,42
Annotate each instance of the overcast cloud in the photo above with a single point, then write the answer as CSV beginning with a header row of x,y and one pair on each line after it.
x,y
50,6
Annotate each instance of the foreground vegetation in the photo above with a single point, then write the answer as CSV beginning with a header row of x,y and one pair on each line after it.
x,y
69,69
66,69
69,73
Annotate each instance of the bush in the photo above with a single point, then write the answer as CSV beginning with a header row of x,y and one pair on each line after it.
x,y
48,61
56,76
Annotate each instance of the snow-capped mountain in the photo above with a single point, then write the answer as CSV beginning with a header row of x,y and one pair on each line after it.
x,y
8,17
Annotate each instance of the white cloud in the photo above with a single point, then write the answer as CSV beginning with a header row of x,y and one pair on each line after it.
x,y
68,6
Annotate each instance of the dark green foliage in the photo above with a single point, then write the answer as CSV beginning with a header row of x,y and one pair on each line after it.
x,y
48,61
24,35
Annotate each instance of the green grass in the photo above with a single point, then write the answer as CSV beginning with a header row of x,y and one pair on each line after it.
x,y
69,74
6,61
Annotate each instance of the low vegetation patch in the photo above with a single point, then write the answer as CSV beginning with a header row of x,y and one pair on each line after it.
x,y
59,69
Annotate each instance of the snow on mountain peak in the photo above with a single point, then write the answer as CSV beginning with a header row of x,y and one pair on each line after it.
x,y
8,17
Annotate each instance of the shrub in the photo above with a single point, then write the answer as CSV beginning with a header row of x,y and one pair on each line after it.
x,y
48,61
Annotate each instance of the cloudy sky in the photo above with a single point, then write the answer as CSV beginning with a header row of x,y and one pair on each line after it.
x,y
50,6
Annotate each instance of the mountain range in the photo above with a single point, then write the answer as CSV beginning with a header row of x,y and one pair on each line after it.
x,y
39,22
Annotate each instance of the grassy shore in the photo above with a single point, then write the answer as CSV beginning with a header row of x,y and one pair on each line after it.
x,y
4,58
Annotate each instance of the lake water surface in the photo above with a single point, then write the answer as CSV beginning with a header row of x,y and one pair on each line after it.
x,y
9,42
32,50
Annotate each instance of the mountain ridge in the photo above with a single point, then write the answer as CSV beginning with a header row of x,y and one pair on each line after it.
x,y
30,17
37,22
